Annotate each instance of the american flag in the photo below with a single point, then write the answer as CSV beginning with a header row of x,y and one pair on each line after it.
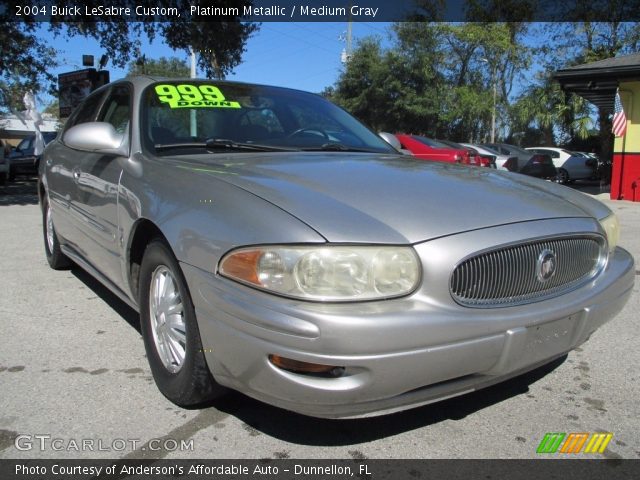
x,y
619,118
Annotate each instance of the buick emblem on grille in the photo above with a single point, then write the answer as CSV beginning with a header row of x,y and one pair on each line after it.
x,y
546,265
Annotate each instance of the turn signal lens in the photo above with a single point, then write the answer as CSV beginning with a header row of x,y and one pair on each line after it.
x,y
297,366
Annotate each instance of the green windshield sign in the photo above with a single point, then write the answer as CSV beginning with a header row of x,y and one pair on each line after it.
x,y
193,96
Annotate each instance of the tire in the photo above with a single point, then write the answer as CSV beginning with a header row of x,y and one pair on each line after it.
x,y
175,354
3,178
56,259
563,176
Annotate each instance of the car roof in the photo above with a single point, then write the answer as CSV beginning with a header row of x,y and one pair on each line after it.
x,y
142,81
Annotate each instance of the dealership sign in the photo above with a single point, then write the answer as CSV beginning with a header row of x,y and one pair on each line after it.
x,y
73,87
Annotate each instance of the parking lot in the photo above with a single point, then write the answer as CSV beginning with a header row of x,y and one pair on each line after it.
x,y
74,381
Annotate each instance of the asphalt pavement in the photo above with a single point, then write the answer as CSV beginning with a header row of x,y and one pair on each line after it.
x,y
75,383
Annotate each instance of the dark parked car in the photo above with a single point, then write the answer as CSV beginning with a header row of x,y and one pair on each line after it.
x,y
22,158
528,163
274,245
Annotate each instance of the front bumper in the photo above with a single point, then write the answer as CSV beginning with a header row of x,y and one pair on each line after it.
x,y
398,353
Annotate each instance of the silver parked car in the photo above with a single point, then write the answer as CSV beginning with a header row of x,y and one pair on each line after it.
x,y
570,166
501,160
274,245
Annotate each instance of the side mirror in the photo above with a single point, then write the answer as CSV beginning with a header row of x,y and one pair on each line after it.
x,y
391,139
99,137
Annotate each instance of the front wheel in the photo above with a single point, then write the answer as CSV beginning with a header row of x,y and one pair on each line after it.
x,y
56,259
170,331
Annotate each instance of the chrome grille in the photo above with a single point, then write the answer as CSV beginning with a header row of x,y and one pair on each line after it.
x,y
511,275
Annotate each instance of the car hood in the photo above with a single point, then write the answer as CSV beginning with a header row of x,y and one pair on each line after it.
x,y
392,199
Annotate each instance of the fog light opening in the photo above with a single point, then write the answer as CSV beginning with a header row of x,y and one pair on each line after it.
x,y
306,368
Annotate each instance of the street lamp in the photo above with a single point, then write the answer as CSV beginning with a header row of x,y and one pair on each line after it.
x,y
493,110
193,125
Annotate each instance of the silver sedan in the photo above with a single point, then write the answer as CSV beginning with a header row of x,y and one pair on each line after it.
x,y
274,245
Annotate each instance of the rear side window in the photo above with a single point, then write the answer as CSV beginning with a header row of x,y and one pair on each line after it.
x,y
551,153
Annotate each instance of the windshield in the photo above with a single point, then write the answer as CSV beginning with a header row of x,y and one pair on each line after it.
x,y
517,150
178,116
491,150
430,142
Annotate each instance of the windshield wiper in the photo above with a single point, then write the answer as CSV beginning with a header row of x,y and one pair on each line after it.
x,y
223,144
337,147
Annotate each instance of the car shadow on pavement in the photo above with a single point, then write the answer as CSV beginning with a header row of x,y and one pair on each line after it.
x,y
299,429
591,187
21,191
128,314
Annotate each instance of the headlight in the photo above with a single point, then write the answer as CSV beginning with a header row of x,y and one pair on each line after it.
x,y
611,227
326,273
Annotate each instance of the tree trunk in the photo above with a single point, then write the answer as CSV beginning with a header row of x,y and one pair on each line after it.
x,y
606,137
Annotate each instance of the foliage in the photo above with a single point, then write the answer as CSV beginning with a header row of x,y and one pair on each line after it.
x,y
162,67
25,58
437,79
559,117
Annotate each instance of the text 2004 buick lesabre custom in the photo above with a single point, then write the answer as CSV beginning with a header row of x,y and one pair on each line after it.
x,y
274,245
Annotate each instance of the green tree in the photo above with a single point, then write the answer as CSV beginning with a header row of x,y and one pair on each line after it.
x,y
162,67
558,117
362,89
437,79
25,58
24,61
416,81
481,60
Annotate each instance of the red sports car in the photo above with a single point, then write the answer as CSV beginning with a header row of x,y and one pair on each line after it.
x,y
428,149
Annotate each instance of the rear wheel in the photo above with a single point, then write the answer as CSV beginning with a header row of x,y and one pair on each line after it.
x,y
56,259
563,176
170,331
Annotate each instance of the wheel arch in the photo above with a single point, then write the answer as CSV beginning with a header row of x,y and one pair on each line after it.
x,y
42,191
143,232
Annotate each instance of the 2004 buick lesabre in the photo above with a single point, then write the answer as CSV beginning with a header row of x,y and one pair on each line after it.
x,y
274,245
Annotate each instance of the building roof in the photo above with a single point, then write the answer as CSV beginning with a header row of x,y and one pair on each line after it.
x,y
11,123
614,63
598,81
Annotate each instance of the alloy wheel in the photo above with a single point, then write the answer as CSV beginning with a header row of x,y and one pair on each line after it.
x,y
167,320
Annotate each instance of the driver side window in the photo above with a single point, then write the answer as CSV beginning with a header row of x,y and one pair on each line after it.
x,y
86,111
117,108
